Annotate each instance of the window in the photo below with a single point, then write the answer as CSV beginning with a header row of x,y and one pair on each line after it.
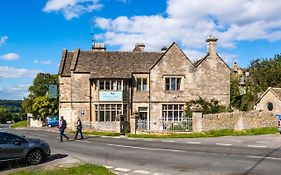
x,y
6,138
270,106
172,83
172,112
107,112
141,84
111,85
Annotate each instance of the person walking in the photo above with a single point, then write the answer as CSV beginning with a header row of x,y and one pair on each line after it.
x,y
62,127
79,129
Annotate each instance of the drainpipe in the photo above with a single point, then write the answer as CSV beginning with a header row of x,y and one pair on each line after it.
x,y
90,103
149,86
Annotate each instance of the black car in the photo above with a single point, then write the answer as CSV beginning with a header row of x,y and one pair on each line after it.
x,y
14,147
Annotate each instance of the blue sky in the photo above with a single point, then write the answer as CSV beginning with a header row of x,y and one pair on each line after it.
x,y
33,33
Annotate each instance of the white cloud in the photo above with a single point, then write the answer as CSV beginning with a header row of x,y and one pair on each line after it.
x,y
45,62
7,72
3,39
10,56
191,22
72,8
16,92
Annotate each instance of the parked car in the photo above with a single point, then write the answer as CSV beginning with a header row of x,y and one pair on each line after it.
x,y
52,121
14,147
278,116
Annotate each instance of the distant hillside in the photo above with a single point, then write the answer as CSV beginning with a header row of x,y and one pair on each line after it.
x,y
11,103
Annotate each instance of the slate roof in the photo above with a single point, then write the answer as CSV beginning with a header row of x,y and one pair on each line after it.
x,y
108,64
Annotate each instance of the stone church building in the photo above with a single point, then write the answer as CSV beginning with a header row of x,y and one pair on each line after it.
x,y
100,86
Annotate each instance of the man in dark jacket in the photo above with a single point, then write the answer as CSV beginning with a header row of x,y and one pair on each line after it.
x,y
62,127
79,129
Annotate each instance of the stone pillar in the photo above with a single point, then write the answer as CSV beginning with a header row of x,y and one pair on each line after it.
x,y
197,118
240,124
133,123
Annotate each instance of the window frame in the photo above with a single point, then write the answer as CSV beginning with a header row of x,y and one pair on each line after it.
x,y
142,84
169,110
173,83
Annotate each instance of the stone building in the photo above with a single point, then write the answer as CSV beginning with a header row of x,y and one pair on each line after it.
x,y
101,86
270,101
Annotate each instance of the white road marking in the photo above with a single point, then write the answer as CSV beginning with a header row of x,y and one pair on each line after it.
x,y
108,167
158,173
146,148
168,141
257,146
261,157
239,141
122,169
261,141
84,141
194,142
132,138
149,140
224,144
141,172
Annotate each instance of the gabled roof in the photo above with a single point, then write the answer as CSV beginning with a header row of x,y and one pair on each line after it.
x,y
173,44
108,64
198,62
275,91
64,69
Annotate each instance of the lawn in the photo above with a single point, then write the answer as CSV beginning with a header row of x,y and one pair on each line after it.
x,y
213,133
86,169
19,124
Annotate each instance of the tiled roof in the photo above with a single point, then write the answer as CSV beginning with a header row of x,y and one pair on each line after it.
x,y
277,92
109,64
64,69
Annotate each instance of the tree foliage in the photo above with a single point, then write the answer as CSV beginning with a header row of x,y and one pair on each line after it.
x,y
264,73
209,107
38,102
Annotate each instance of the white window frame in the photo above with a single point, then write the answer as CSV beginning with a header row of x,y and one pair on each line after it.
x,y
177,79
142,85
175,108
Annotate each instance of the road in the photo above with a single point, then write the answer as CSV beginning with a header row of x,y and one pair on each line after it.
x,y
257,155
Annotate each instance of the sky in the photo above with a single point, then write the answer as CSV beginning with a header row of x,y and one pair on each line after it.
x,y
33,33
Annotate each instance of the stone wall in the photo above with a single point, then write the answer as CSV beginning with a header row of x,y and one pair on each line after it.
x,y
269,97
238,120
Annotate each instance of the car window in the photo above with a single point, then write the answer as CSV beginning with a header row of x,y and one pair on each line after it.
x,y
6,138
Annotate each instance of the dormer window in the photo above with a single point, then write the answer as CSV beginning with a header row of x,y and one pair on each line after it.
x,y
173,83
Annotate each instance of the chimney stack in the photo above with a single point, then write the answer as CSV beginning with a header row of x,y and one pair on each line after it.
x,y
139,47
212,45
98,47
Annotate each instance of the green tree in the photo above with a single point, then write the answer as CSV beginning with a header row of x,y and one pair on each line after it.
x,y
43,106
41,84
38,102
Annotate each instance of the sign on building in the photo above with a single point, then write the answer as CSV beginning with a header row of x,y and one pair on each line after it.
x,y
110,96
53,91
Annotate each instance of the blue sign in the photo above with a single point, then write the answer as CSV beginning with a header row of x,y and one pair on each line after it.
x,y
53,91
111,96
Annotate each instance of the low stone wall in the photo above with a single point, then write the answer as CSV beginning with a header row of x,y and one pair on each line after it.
x,y
238,120
103,126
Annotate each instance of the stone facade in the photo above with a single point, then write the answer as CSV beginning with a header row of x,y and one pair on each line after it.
x,y
270,98
99,85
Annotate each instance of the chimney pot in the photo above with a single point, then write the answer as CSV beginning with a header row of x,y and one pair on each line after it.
x,y
212,44
164,49
139,47
98,47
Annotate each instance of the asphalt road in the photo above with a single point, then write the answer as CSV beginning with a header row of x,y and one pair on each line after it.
x,y
259,155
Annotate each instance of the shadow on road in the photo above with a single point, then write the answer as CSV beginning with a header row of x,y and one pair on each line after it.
x,y
260,161
5,166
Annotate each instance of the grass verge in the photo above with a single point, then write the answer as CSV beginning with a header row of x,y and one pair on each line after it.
x,y
99,133
86,169
19,124
212,133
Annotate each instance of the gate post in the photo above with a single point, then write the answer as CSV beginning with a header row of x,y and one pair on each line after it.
x,y
197,118
133,123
